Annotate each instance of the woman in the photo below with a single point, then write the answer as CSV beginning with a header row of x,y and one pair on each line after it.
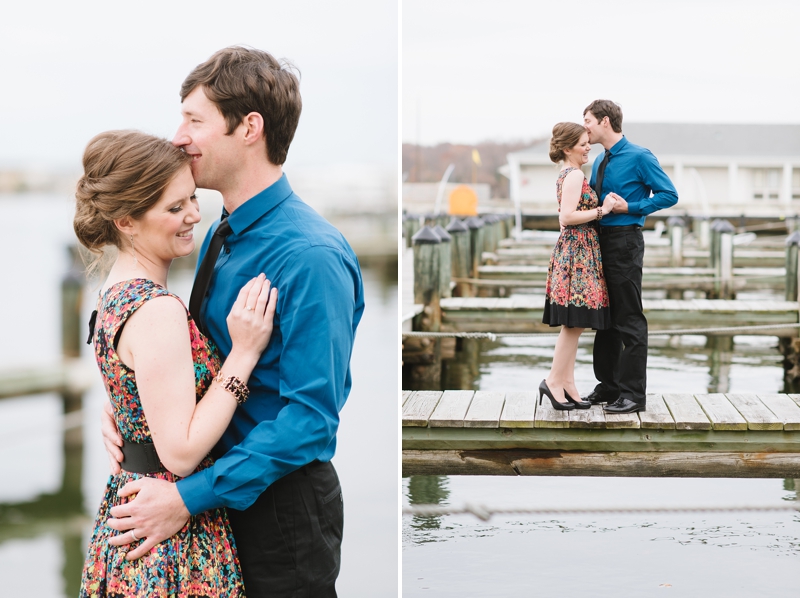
x,y
172,398
576,295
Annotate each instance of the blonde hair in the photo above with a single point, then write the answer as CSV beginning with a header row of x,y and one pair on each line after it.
x,y
124,174
565,136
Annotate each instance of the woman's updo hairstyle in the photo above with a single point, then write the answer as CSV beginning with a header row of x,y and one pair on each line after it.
x,y
565,136
124,174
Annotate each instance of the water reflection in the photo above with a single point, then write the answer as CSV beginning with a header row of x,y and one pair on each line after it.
x,y
427,490
706,364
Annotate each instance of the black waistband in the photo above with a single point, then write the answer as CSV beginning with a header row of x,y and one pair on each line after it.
x,y
615,229
140,458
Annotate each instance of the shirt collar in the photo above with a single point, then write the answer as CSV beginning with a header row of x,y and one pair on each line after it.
x,y
619,145
258,205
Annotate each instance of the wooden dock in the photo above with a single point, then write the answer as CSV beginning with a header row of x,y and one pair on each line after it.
x,y
683,435
523,313
662,277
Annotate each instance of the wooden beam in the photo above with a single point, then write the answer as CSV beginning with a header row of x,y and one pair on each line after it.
x,y
607,464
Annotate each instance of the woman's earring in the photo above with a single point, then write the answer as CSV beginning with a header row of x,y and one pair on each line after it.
x,y
135,261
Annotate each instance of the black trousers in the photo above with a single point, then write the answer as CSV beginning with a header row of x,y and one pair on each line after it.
x,y
620,353
289,541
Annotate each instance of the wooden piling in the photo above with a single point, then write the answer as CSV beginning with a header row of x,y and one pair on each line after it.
x,y
460,258
476,236
427,292
721,258
445,261
792,243
71,340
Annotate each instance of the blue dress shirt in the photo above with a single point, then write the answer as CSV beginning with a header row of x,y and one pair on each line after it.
x,y
634,174
303,377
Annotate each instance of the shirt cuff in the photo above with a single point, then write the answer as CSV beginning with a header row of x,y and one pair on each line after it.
x,y
197,492
633,207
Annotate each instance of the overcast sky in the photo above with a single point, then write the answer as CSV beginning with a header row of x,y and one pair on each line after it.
x,y
73,69
510,69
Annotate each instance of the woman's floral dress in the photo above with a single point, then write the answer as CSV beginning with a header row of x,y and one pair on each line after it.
x,y
576,293
200,560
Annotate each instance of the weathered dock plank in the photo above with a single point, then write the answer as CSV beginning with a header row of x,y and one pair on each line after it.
x,y
406,395
485,410
419,407
548,417
721,413
519,410
687,412
784,408
758,416
622,420
594,417
451,409
657,416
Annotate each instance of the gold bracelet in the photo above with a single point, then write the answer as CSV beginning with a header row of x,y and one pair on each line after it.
x,y
235,386
599,213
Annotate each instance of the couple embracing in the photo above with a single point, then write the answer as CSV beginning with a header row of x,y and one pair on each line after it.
x,y
222,417
595,275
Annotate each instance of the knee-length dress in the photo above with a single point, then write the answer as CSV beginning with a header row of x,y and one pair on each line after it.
x,y
200,560
576,293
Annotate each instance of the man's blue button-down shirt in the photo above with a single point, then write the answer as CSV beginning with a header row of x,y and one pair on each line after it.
x,y
303,378
634,174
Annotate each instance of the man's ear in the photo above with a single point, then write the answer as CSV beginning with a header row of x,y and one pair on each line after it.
x,y
253,128
125,225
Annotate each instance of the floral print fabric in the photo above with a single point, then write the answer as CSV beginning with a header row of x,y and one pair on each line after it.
x,y
576,293
200,560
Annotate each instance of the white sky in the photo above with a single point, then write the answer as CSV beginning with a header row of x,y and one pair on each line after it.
x,y
73,69
510,69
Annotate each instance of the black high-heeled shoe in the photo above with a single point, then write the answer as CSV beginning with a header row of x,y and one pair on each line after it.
x,y
544,390
579,404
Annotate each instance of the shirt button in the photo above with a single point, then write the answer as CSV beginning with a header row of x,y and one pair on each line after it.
x,y
227,249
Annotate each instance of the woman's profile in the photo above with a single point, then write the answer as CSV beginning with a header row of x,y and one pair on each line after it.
x,y
172,398
576,293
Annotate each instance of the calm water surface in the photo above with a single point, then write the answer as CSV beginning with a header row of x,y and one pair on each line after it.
x,y
44,529
731,555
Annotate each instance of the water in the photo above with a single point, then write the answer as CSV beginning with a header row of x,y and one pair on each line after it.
x,y
45,521
728,554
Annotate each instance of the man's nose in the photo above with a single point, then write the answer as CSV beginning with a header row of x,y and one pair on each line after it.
x,y
181,138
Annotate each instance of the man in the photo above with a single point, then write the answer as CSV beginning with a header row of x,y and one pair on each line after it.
x,y
633,177
240,111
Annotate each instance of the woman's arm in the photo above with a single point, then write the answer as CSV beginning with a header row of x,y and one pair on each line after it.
x,y
155,343
571,190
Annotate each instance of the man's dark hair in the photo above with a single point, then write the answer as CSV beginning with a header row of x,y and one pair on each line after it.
x,y
603,108
242,80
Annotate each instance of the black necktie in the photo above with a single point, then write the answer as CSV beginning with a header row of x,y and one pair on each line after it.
x,y
601,171
203,279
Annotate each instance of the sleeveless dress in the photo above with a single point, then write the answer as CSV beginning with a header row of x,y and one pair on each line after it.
x,y
576,293
200,560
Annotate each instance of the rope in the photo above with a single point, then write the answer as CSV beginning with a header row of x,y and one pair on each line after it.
x,y
676,332
485,513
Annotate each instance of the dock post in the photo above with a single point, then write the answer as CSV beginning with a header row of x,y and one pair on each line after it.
x,y
700,228
413,227
721,258
445,261
476,237
426,362
675,227
792,243
71,338
726,232
460,257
